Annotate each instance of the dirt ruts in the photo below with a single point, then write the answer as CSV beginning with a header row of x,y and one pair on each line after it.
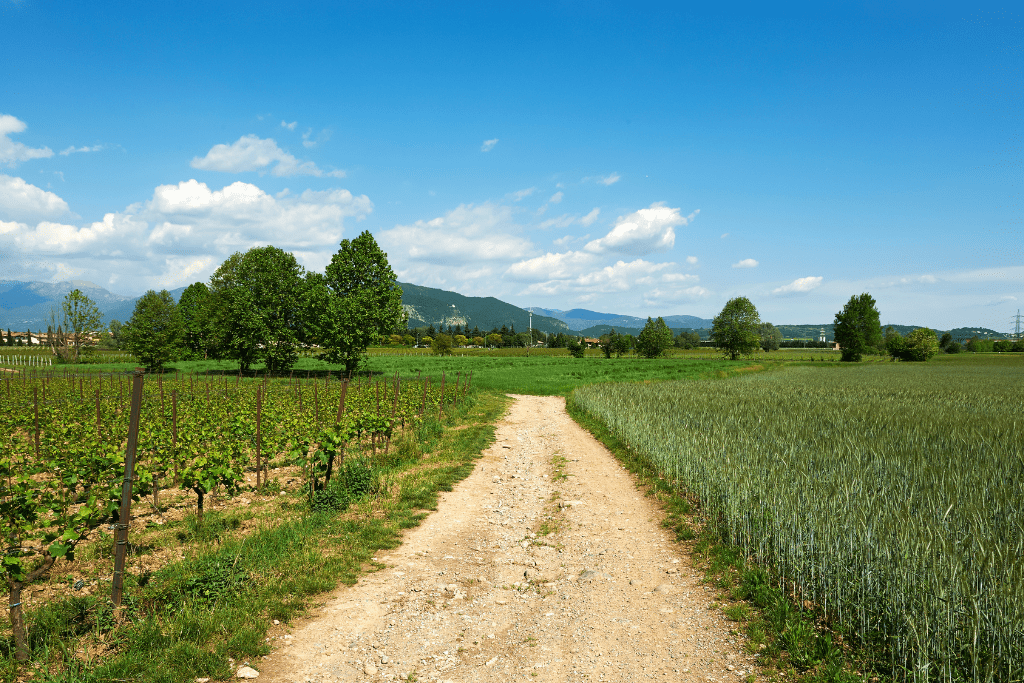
x,y
479,593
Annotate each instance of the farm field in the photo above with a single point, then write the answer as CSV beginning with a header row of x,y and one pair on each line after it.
x,y
202,439
887,499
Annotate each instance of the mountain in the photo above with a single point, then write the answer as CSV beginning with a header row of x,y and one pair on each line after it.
x,y
25,305
582,320
429,306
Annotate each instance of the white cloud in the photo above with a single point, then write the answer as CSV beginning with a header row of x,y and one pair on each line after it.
x,y
563,221
610,179
467,234
488,145
680,277
724,235
519,195
74,150
251,153
803,284
746,263
550,266
643,231
20,200
692,260
186,229
289,126
12,152
556,198
589,219
1008,299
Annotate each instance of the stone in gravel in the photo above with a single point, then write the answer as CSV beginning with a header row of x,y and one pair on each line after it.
x,y
665,588
491,662
384,660
370,669
247,672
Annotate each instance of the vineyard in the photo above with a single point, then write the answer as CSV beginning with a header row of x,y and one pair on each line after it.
x,y
64,440
888,500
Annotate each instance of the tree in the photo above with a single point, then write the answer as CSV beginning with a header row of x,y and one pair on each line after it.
x,y
737,329
154,332
197,330
116,331
856,327
770,337
77,316
576,348
921,345
687,340
441,345
355,302
654,338
946,340
257,308
478,341
494,339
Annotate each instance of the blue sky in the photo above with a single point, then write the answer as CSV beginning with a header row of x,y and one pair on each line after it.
x,y
644,159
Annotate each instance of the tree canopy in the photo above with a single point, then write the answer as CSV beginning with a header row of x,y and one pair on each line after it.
x,y
153,334
355,303
737,329
257,308
197,331
856,328
654,338
78,315
771,338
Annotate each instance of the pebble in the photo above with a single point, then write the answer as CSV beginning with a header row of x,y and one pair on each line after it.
x,y
247,672
370,669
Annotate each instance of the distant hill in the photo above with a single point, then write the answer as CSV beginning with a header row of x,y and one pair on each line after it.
x,y
429,306
25,305
581,320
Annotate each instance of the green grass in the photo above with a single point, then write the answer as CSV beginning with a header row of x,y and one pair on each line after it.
x,y
887,500
188,619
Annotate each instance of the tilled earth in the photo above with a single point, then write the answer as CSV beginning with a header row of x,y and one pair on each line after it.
x,y
480,593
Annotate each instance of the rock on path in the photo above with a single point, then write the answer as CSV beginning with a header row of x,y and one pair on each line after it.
x,y
477,593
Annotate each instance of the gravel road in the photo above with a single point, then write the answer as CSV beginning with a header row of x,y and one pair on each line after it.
x,y
478,593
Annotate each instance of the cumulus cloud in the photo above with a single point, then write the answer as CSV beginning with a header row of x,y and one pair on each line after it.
x,y
467,234
551,267
488,145
556,198
289,126
589,219
803,284
12,152
20,200
692,260
643,231
746,263
184,230
680,277
610,179
75,150
252,153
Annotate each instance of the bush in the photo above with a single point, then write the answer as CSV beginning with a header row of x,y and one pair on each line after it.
x,y
576,349
441,345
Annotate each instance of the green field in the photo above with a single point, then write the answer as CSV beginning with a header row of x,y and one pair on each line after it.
x,y
889,496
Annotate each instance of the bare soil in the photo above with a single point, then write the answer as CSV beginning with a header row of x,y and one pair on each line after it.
x,y
479,592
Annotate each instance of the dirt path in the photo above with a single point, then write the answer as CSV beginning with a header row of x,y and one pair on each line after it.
x,y
471,595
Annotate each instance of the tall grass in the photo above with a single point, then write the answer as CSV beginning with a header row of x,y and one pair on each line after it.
x,y
890,497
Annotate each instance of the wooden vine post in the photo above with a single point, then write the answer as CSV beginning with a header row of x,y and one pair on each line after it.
x,y
259,436
124,516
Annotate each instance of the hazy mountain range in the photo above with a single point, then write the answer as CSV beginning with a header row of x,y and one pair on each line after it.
x,y
25,305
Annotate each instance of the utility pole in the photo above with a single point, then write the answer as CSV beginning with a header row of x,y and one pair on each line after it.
x,y
1016,333
530,332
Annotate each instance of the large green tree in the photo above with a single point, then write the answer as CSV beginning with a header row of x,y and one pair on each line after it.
x,y
355,303
654,338
257,308
197,331
153,334
856,328
737,329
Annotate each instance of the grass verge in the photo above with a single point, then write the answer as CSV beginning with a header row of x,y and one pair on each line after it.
x,y
210,612
790,640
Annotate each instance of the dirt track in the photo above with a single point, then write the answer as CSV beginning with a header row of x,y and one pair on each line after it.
x,y
471,595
